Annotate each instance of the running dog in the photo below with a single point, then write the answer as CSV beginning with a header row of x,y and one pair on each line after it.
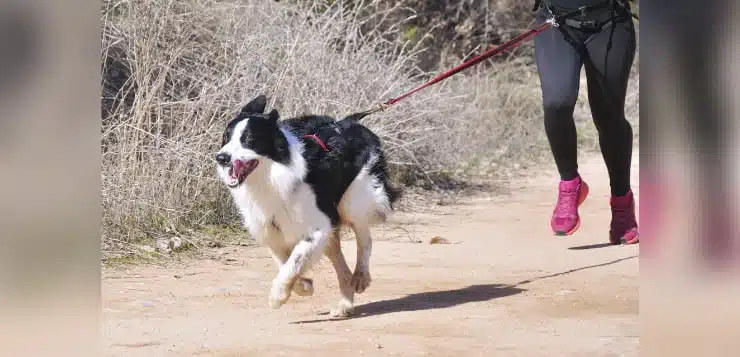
x,y
296,182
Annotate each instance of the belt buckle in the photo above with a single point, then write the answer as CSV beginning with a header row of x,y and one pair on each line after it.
x,y
590,24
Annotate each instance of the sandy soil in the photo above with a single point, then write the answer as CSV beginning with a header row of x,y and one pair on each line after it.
x,y
504,287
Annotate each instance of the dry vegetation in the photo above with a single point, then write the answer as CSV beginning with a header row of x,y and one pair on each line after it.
x,y
175,71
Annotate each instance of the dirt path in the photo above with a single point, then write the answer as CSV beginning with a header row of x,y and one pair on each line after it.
x,y
506,288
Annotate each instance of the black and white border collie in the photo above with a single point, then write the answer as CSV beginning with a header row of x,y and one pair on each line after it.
x,y
296,182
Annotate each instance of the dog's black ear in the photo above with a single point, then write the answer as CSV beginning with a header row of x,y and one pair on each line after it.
x,y
256,106
274,115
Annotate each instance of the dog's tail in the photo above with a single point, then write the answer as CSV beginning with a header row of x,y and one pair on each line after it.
x,y
356,117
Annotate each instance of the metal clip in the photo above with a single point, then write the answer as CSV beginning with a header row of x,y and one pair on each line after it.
x,y
551,20
591,25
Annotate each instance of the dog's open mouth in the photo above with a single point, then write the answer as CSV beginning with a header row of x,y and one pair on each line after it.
x,y
239,171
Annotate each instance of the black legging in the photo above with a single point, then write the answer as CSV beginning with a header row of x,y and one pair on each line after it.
x,y
612,52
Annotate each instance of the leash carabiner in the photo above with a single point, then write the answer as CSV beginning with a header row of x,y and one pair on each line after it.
x,y
551,17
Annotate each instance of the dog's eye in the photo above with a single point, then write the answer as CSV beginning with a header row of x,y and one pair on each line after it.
x,y
246,139
225,138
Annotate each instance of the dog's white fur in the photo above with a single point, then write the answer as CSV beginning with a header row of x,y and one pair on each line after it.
x,y
279,209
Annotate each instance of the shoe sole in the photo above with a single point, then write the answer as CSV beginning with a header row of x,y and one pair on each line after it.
x,y
581,197
636,240
622,241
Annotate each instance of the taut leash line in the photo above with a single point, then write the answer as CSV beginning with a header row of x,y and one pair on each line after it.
x,y
511,44
553,21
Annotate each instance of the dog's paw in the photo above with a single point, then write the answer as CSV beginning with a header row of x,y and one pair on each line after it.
x,y
303,287
278,294
360,280
343,309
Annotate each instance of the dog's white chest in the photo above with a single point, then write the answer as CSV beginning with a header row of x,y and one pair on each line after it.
x,y
294,216
300,216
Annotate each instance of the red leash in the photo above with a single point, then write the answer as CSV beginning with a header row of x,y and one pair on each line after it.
x,y
511,44
514,42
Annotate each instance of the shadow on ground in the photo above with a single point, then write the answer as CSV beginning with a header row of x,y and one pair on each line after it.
x,y
592,246
430,301
573,270
449,298
437,299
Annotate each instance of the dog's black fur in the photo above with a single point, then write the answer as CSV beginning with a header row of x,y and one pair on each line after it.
x,y
329,173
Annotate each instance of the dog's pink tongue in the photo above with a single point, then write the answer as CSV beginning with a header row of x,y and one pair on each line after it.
x,y
237,168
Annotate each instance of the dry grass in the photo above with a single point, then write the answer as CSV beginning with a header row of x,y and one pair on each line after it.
x,y
175,71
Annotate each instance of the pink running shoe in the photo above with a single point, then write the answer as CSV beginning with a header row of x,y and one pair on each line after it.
x,y
565,220
624,224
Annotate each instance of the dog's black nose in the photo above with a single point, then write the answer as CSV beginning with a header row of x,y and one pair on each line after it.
x,y
223,158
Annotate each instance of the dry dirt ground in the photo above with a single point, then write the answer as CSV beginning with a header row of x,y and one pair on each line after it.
x,y
504,287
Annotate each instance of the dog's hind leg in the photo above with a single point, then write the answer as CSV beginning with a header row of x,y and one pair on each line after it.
x,y
363,204
304,254
345,307
361,277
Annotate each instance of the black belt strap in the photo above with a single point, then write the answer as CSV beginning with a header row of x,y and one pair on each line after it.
x,y
583,10
624,4
587,61
588,25
580,46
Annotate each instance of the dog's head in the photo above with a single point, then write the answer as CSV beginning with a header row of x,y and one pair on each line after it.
x,y
250,141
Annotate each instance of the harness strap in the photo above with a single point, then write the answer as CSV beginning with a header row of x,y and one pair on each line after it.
x,y
583,24
317,140
589,25
623,3
587,61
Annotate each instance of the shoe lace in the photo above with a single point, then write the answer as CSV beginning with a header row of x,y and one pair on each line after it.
x,y
566,201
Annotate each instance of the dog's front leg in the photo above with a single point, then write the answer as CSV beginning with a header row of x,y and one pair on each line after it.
x,y
304,254
280,254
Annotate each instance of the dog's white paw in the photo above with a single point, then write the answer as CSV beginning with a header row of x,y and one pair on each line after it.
x,y
303,287
343,309
361,280
278,294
